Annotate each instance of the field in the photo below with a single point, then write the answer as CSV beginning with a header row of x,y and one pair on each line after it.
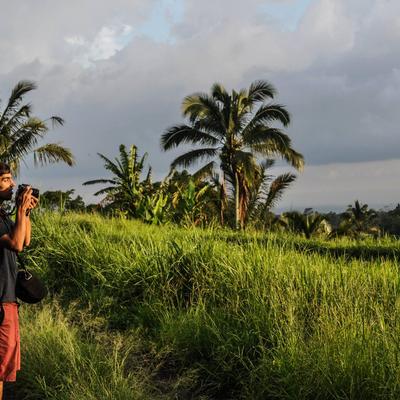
x,y
144,312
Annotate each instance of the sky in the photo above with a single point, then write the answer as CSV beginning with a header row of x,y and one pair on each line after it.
x,y
118,71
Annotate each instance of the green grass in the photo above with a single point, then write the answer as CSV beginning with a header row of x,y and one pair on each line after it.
x,y
219,314
59,362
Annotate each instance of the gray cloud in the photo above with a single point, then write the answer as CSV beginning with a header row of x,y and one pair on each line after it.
x,y
338,73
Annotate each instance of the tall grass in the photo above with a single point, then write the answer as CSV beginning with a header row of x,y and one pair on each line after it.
x,y
250,316
59,362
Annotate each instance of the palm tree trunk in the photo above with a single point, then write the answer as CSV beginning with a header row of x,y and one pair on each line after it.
x,y
237,201
222,195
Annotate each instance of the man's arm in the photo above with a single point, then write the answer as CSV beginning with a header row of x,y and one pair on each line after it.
x,y
34,203
27,240
16,239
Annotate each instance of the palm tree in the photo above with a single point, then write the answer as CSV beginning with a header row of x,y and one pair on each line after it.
x,y
306,223
266,192
20,132
357,220
126,190
237,129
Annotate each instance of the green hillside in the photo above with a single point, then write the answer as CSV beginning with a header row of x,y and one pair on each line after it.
x,y
145,312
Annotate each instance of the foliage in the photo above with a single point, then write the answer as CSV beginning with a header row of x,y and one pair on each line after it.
x,y
58,200
189,201
20,132
265,194
235,131
308,223
358,220
252,316
127,192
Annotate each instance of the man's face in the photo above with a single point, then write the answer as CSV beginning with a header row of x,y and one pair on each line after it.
x,y
6,186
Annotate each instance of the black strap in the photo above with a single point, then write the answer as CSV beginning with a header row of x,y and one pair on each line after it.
x,y
21,261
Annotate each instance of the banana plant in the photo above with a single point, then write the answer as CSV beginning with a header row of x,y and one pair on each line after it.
x,y
126,189
153,209
189,201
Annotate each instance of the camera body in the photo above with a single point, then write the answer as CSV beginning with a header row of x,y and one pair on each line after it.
x,y
22,188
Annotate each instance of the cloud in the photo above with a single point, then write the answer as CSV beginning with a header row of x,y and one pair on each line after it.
x,y
105,44
337,71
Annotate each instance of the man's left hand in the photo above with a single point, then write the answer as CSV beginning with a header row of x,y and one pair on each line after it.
x,y
34,202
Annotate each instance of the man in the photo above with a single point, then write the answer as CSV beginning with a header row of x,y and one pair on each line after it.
x,y
13,238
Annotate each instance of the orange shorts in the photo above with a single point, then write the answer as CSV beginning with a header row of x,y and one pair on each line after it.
x,y
9,343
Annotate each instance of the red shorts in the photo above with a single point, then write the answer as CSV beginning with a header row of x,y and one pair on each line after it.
x,y
9,343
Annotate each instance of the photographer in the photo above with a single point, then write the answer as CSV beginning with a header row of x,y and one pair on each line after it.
x,y
13,238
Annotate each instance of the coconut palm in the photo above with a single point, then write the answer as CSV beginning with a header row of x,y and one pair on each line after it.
x,y
20,132
236,129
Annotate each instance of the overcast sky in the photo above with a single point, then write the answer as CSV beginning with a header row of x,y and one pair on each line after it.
x,y
117,72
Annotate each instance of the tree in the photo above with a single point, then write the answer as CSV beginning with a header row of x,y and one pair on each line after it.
x,y
59,200
236,128
308,223
126,190
266,192
358,220
20,132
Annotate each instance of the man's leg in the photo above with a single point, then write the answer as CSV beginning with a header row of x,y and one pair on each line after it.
x,y
9,391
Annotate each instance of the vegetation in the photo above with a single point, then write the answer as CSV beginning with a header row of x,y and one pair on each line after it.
x,y
297,306
209,314
237,134
20,132
58,200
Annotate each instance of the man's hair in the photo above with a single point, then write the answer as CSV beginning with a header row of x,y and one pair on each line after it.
x,y
4,168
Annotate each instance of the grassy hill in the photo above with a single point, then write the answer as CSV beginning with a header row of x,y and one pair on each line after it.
x,y
143,312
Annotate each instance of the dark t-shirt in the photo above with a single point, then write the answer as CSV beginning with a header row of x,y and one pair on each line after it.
x,y
8,264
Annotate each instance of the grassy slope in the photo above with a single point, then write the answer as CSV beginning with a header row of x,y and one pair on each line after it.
x,y
217,313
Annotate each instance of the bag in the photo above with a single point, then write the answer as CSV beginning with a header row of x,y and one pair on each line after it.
x,y
30,289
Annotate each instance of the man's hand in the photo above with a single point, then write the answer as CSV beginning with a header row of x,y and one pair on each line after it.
x,y
25,200
34,203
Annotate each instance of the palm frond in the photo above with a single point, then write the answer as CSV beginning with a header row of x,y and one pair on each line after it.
x,y
276,189
96,181
270,138
19,90
219,93
56,121
203,111
179,134
52,153
273,142
191,157
260,91
204,172
34,125
266,114
15,121
22,141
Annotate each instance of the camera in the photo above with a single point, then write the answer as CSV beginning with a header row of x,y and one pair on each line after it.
x,y
22,188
